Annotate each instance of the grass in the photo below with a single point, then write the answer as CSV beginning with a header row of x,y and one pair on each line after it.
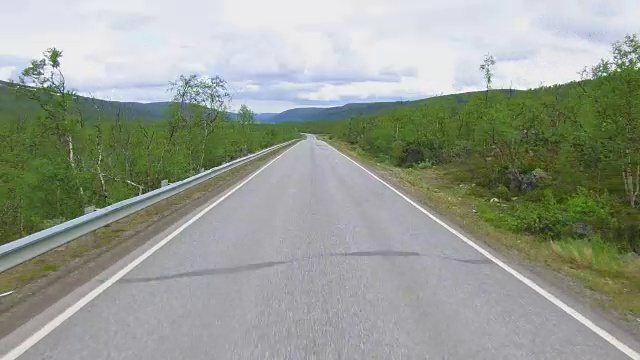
x,y
612,279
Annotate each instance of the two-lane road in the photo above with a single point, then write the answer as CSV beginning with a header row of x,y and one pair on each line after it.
x,y
313,258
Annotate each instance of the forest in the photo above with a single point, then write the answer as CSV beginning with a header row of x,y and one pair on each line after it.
x,y
65,156
564,159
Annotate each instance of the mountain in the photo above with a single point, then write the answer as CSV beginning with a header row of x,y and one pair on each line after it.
x,y
265,117
359,109
332,113
11,105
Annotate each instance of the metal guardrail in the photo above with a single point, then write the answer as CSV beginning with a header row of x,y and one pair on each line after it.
x,y
28,247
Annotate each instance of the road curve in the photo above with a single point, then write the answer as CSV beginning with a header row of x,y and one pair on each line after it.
x,y
313,258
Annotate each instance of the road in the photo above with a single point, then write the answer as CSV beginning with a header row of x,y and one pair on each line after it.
x,y
313,258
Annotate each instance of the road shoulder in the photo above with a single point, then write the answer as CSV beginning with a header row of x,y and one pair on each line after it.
x,y
569,289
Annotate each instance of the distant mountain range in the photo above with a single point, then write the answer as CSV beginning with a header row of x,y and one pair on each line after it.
x,y
361,109
10,104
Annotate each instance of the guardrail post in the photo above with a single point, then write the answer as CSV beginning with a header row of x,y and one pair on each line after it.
x,y
89,209
164,183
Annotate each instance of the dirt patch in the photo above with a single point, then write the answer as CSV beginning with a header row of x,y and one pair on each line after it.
x,y
42,281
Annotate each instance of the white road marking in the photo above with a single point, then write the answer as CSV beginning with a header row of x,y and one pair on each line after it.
x,y
557,302
7,293
50,326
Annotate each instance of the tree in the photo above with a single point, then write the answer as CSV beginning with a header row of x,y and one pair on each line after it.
x,y
54,143
487,70
47,86
245,115
215,97
618,107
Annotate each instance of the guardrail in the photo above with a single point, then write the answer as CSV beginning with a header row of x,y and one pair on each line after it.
x,y
28,247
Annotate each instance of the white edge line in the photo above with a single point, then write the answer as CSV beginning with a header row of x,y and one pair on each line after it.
x,y
7,293
547,295
53,324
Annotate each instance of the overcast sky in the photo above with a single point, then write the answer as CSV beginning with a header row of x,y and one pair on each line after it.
x,y
279,54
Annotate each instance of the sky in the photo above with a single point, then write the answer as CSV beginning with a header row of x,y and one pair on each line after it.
x,y
281,54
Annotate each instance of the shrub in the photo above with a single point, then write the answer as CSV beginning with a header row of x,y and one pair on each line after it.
x,y
554,219
425,164
397,153
501,192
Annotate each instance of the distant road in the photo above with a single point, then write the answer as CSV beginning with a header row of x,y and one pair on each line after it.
x,y
313,258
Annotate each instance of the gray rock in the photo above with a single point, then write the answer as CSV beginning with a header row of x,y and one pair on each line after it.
x,y
533,180
515,179
528,182
583,229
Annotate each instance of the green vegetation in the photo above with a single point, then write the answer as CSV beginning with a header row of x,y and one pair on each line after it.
x,y
61,153
245,115
363,109
559,164
14,106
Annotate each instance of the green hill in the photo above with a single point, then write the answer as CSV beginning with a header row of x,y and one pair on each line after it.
x,y
364,109
332,113
12,105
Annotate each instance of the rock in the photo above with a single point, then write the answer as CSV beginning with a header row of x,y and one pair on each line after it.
x,y
515,179
532,180
582,229
528,182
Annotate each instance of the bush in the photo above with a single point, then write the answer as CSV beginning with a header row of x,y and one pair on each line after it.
x,y
626,230
548,220
397,153
424,164
554,219
501,192
479,192
406,154
587,208
412,154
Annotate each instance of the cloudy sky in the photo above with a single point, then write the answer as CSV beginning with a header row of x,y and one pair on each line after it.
x,y
279,54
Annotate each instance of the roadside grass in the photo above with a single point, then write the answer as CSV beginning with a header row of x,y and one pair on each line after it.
x,y
604,274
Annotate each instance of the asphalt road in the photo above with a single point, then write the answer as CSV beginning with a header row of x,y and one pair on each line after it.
x,y
315,259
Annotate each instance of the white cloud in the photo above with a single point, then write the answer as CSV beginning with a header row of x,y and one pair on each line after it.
x,y
283,53
6,71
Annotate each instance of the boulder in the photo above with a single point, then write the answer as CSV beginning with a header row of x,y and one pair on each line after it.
x,y
527,182
583,229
